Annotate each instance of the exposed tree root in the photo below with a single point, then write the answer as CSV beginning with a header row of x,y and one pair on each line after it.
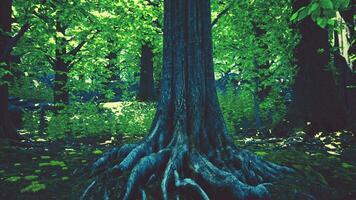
x,y
183,171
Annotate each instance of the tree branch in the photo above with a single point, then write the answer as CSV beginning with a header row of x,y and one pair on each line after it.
x,y
12,42
221,14
76,49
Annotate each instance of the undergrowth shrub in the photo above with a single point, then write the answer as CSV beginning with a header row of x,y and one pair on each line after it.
x,y
135,118
31,89
239,114
31,121
236,108
82,119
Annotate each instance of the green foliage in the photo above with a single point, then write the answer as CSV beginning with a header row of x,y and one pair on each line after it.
x,y
255,41
30,89
31,121
323,12
239,114
236,108
136,118
82,119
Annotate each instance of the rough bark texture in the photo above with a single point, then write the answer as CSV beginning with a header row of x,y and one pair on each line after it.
x,y
315,97
188,150
7,129
146,89
61,69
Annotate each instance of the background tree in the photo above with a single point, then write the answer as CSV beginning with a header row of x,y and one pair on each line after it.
x,y
7,43
257,52
316,101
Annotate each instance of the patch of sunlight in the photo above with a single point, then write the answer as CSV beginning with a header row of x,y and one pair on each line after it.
x,y
35,186
106,142
45,157
246,140
338,133
104,14
330,146
52,163
97,152
333,153
261,153
116,106
41,140
318,134
31,177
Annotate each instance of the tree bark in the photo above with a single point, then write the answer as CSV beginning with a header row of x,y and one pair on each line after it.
x,y
61,69
188,146
7,129
315,99
146,87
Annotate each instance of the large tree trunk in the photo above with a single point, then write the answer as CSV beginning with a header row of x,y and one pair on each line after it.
x,y
146,88
7,129
188,146
60,91
346,79
315,93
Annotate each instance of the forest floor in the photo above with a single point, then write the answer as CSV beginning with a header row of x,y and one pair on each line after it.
x,y
325,166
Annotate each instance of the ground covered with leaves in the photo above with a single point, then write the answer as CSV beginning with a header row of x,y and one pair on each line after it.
x,y
325,166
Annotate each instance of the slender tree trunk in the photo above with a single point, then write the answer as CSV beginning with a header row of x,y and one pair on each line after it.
x,y
7,129
315,94
188,144
60,91
146,88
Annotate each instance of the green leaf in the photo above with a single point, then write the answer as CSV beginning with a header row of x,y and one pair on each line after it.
x,y
327,4
322,22
344,3
294,16
312,8
303,13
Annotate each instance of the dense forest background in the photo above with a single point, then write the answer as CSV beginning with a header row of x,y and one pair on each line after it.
x,y
79,77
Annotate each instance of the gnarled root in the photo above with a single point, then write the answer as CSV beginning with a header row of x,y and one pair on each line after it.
x,y
183,171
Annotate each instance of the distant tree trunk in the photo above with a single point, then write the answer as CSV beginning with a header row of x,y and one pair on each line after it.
x,y
256,103
7,129
315,99
146,88
188,145
60,67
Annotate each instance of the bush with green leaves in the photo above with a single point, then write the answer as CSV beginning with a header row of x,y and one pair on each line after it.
x,y
239,112
82,119
31,121
31,89
236,108
135,118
